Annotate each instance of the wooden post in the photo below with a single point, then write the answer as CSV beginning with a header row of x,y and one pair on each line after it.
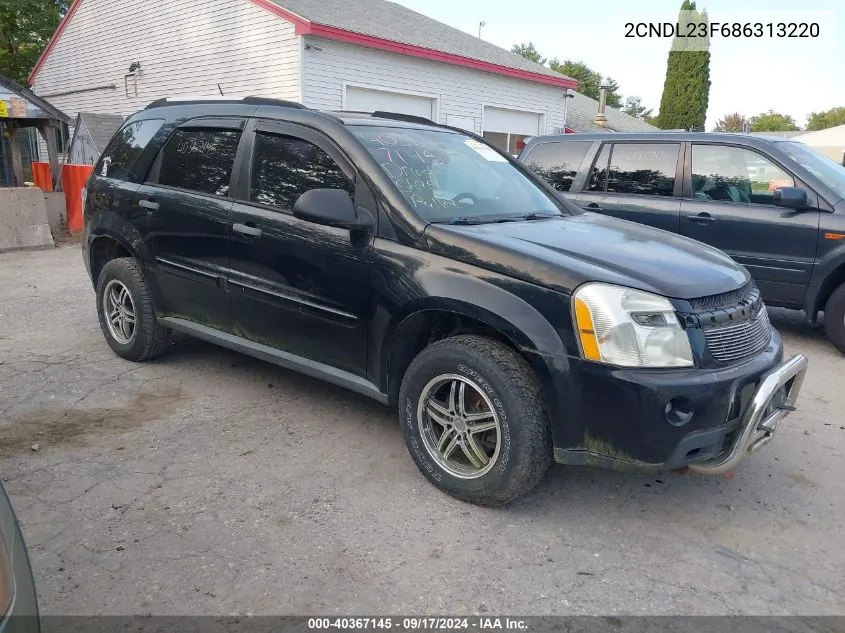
x,y
15,146
47,130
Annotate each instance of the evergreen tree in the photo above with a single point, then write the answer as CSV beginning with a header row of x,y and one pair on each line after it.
x,y
686,89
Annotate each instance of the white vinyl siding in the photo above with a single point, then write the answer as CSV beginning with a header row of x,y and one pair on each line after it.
x,y
183,46
460,92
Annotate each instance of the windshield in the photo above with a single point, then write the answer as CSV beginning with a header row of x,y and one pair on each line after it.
x,y
449,177
820,166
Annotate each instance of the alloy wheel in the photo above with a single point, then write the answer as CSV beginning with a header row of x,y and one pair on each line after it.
x,y
119,310
459,426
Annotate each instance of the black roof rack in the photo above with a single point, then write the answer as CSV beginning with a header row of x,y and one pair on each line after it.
x,y
166,101
410,118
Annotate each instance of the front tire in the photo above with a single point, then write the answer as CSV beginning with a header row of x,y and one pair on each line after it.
x,y
125,310
834,318
475,421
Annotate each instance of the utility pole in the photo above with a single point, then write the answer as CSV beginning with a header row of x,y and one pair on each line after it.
x,y
481,24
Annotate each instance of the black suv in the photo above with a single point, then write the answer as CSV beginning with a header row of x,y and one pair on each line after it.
x,y
416,264
774,205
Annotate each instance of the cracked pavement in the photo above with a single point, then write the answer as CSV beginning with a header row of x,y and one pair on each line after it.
x,y
207,482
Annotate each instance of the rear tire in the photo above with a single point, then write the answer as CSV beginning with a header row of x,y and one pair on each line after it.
x,y
834,318
125,310
481,399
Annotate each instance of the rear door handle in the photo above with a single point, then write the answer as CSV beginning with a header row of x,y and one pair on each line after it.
x,y
701,218
247,230
148,204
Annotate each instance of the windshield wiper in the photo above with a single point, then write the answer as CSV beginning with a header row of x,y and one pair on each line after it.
x,y
479,219
493,219
539,216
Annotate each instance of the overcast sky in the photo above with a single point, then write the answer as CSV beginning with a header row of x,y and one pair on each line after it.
x,y
749,75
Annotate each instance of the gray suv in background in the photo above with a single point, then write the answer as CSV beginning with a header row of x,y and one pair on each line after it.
x,y
774,205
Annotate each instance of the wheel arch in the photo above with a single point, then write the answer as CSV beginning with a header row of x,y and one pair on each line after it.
x,y
831,272
104,244
434,318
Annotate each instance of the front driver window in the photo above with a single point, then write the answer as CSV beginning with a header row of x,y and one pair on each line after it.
x,y
735,175
285,167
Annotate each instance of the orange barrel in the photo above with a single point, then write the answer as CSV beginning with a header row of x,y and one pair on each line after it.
x,y
42,176
74,178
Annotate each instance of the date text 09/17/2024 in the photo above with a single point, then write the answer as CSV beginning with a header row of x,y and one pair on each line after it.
x,y
419,623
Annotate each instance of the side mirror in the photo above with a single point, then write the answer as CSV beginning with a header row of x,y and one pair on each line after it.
x,y
332,207
790,197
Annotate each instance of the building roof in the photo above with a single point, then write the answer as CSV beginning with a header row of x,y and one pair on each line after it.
x,y
582,110
380,22
101,127
37,108
386,26
829,137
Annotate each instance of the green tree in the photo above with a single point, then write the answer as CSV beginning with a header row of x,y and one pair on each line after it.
x,y
634,107
589,81
824,120
25,28
734,122
772,121
686,89
528,51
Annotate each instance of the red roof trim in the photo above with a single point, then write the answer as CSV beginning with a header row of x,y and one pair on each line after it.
x,y
349,37
306,27
62,25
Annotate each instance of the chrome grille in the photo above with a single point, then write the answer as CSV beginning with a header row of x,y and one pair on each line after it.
x,y
724,300
738,340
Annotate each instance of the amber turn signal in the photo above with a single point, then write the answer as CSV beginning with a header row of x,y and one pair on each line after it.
x,y
586,331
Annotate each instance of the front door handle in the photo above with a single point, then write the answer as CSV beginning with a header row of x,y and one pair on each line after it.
x,y
247,230
149,205
702,218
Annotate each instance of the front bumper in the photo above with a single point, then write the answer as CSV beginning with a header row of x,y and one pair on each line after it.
x,y
774,399
705,418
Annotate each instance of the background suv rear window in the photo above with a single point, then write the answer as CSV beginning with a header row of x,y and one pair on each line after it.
x,y
199,160
558,162
119,157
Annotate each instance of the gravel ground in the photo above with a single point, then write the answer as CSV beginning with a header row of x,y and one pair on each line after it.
x,y
206,482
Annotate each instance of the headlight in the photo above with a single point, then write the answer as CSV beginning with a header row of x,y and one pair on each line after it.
x,y
630,328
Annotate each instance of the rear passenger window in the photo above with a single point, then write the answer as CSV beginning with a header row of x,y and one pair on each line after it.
x,y
643,168
558,162
199,160
120,155
285,167
598,174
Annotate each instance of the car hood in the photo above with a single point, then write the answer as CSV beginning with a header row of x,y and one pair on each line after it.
x,y
562,253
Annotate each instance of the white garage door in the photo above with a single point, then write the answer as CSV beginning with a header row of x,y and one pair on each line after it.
x,y
508,129
367,100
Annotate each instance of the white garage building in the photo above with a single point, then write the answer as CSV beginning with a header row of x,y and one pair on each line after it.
x,y
116,56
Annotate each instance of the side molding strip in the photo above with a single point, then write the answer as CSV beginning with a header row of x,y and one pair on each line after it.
x,y
283,359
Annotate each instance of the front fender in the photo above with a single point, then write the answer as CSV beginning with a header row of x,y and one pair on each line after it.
x,y
534,319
